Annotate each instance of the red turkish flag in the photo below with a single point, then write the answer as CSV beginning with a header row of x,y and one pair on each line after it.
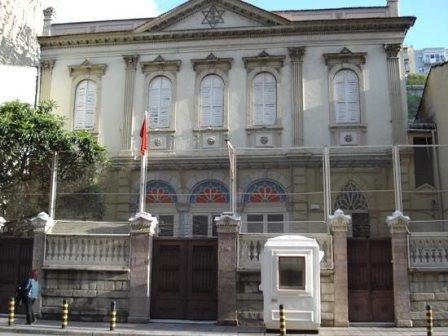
x,y
143,138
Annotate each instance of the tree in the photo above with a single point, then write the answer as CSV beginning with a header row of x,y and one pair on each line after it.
x,y
29,137
416,79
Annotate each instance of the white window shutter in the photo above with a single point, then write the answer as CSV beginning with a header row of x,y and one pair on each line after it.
x,y
264,99
346,96
160,99
85,105
212,102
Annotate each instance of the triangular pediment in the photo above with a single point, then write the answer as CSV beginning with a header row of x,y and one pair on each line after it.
x,y
212,14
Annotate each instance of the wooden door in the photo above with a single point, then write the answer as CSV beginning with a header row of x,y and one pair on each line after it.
x,y
184,279
370,282
15,264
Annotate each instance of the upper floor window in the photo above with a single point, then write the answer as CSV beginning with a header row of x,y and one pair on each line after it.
x,y
160,98
85,105
264,99
346,93
212,102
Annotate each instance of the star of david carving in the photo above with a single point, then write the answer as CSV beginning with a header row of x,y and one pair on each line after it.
x,y
213,16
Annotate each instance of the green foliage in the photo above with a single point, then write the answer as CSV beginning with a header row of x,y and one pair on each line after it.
x,y
416,79
29,137
413,104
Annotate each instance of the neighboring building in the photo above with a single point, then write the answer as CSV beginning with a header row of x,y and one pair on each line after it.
x,y
20,23
428,57
281,85
409,59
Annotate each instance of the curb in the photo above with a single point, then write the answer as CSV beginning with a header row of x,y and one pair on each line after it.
x,y
37,330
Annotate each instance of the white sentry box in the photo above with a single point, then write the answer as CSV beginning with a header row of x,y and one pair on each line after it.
x,y
290,275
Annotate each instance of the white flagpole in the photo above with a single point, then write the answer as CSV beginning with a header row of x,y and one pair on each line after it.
x,y
142,195
232,161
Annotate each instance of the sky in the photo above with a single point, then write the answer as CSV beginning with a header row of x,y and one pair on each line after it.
x,y
430,30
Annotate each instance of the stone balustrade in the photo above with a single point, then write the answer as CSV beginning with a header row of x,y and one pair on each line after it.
x,y
250,246
428,250
87,252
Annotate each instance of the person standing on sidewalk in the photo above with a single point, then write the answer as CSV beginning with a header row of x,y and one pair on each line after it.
x,y
29,295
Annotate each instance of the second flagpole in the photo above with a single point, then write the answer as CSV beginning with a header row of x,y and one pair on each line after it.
x,y
143,152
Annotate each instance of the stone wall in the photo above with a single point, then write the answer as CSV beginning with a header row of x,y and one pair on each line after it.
x,y
429,288
250,298
89,294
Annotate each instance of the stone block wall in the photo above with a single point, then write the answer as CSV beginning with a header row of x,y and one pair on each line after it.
x,y
89,294
429,288
250,298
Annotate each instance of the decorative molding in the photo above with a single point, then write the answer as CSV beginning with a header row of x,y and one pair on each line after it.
x,y
42,223
398,223
211,61
47,65
339,222
131,61
87,68
264,60
392,50
143,223
228,223
160,64
296,54
428,251
345,56
213,16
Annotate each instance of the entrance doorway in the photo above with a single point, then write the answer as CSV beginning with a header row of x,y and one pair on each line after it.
x,y
370,282
184,279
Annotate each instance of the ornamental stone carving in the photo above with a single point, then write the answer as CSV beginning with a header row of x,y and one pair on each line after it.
x,y
143,223
87,68
345,56
398,223
228,223
2,224
212,62
161,64
264,60
47,65
131,61
42,223
392,50
339,221
296,53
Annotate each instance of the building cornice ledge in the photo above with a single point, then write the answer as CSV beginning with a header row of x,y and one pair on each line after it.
x,y
340,26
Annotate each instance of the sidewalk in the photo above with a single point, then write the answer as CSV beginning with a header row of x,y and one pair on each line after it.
x,y
45,327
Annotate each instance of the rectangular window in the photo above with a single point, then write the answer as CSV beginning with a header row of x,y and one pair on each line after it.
x,y
265,223
275,223
291,273
200,225
166,226
255,223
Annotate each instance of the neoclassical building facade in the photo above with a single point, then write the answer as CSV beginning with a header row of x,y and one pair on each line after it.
x,y
289,88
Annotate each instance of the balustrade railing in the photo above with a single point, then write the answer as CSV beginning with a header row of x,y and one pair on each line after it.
x,y
98,252
250,247
428,251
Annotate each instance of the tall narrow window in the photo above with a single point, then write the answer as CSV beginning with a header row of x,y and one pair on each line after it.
x,y
212,101
85,105
264,99
346,93
160,97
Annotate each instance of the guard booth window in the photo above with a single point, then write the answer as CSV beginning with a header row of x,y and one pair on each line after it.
x,y
291,273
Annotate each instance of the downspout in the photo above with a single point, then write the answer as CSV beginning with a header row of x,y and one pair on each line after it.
x,y
37,86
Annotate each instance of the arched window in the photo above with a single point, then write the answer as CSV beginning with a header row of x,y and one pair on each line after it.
x,y
264,191
85,105
346,93
160,97
264,99
209,191
212,102
160,192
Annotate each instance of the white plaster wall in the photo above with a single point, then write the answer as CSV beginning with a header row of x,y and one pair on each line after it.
x,y
17,82
316,115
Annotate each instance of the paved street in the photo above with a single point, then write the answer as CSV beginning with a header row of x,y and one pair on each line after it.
x,y
176,329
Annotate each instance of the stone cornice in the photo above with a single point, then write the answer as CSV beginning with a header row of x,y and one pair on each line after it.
x,y
264,60
87,68
340,26
211,61
345,56
160,64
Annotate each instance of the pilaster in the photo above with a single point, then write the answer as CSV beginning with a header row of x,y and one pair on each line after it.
x,y
396,100
398,226
339,223
143,228
46,73
128,109
296,55
228,225
42,224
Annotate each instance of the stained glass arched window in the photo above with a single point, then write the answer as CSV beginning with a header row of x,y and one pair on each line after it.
x,y
209,191
351,198
264,191
160,192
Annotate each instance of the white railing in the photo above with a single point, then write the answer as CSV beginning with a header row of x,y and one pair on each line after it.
x,y
84,252
250,246
428,250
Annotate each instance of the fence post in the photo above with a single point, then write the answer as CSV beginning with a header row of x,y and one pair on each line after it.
x,y
429,321
113,315
64,314
11,312
282,321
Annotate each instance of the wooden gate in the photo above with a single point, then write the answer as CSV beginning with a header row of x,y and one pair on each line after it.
x,y
370,282
15,263
184,279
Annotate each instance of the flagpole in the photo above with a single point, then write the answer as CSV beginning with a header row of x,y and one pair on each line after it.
x,y
143,164
232,174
